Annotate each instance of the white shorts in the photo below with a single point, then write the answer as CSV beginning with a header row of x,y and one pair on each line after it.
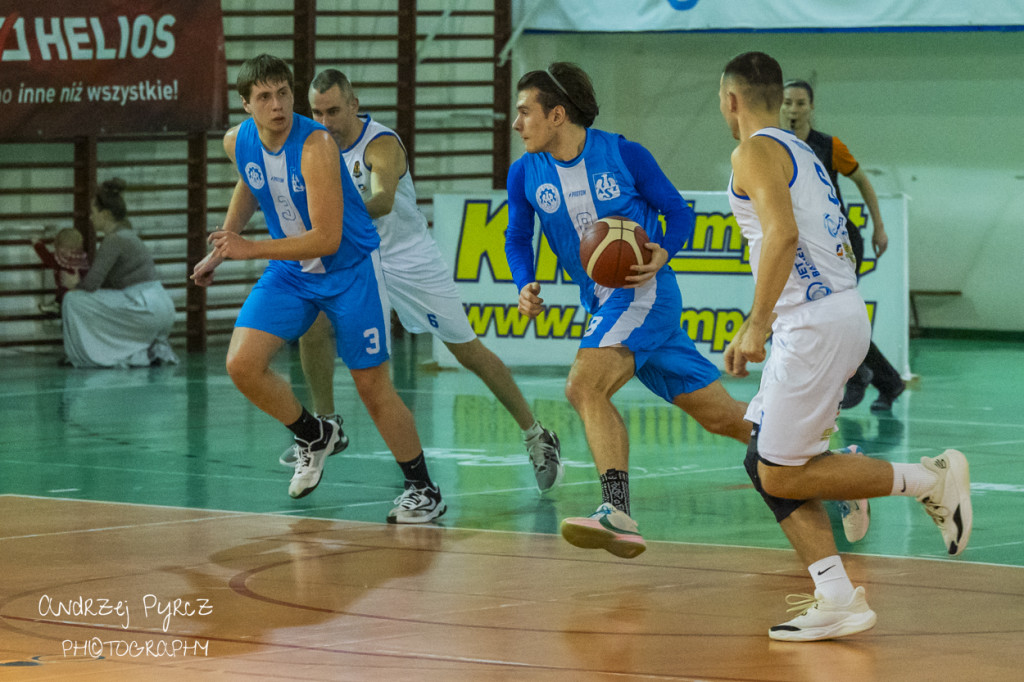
x,y
816,348
425,297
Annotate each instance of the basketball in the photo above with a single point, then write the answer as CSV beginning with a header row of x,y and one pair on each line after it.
x,y
610,247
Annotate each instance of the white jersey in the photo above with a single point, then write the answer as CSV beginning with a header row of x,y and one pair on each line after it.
x,y
404,240
824,262
418,281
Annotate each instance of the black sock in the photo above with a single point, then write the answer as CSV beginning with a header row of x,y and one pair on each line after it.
x,y
615,489
415,471
307,427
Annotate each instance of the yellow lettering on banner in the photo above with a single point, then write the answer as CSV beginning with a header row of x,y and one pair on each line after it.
x,y
715,327
858,220
717,247
716,232
482,242
554,322
547,264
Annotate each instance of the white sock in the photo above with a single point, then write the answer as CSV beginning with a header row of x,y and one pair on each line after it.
x,y
533,431
831,580
912,480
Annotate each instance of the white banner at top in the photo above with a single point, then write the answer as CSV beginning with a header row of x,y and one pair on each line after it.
x,y
718,15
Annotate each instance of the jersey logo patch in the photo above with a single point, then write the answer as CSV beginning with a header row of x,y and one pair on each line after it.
x,y
548,198
254,174
817,291
297,184
606,186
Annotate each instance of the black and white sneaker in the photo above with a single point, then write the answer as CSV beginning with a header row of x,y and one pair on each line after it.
x,y
310,458
418,505
545,455
290,456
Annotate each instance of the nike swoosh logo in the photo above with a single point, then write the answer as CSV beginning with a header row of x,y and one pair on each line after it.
x,y
826,570
904,488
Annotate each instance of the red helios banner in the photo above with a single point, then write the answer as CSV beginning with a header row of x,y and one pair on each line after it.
x,y
70,68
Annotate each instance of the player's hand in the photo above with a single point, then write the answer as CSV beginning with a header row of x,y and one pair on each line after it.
x,y
659,257
202,273
747,346
530,302
879,241
227,244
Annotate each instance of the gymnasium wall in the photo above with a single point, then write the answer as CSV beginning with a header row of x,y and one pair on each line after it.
x,y
935,115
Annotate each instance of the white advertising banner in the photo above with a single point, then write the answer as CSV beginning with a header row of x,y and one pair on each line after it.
x,y
712,15
712,269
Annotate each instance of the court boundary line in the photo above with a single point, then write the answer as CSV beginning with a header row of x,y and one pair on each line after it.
x,y
229,514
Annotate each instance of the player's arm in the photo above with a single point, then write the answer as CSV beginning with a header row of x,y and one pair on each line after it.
x,y
321,173
761,170
385,158
240,210
519,243
658,191
879,239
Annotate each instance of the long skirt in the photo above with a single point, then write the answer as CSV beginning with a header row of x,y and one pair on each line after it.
x,y
118,327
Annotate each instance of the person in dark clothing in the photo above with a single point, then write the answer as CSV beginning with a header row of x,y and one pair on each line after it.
x,y
795,114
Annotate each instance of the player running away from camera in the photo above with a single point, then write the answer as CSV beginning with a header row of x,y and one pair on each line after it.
x,y
420,287
570,176
805,295
323,259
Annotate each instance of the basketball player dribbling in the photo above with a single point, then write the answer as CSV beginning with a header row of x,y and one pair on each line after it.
x,y
570,176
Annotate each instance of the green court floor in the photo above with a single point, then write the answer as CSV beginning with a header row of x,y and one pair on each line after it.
x,y
183,436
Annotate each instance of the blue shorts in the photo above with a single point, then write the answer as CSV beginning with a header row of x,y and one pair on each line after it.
x,y
647,322
285,303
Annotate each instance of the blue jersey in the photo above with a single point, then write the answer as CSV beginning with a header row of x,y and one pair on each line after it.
x,y
611,176
277,183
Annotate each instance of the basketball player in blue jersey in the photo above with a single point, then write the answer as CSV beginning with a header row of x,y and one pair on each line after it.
x,y
805,295
571,176
323,258
419,285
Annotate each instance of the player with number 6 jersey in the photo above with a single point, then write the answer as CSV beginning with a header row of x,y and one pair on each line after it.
x,y
419,284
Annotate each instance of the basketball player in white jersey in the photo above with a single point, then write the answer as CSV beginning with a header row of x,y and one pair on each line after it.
x,y
805,296
418,283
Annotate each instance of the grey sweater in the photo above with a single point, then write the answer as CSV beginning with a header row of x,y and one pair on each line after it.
x,y
121,261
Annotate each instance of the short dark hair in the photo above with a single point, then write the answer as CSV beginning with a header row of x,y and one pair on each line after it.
x,y
108,198
328,78
262,69
800,84
566,84
761,76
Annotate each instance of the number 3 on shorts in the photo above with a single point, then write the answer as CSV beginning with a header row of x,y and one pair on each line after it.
x,y
373,336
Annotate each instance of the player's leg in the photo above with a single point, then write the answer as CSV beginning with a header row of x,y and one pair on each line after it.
x,y
481,361
427,300
836,608
272,313
596,375
248,365
362,321
716,411
391,416
317,351
542,445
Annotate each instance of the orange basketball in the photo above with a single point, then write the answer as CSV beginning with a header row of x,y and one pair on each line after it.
x,y
610,247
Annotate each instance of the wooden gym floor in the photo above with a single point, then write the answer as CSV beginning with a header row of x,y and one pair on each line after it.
x,y
156,493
